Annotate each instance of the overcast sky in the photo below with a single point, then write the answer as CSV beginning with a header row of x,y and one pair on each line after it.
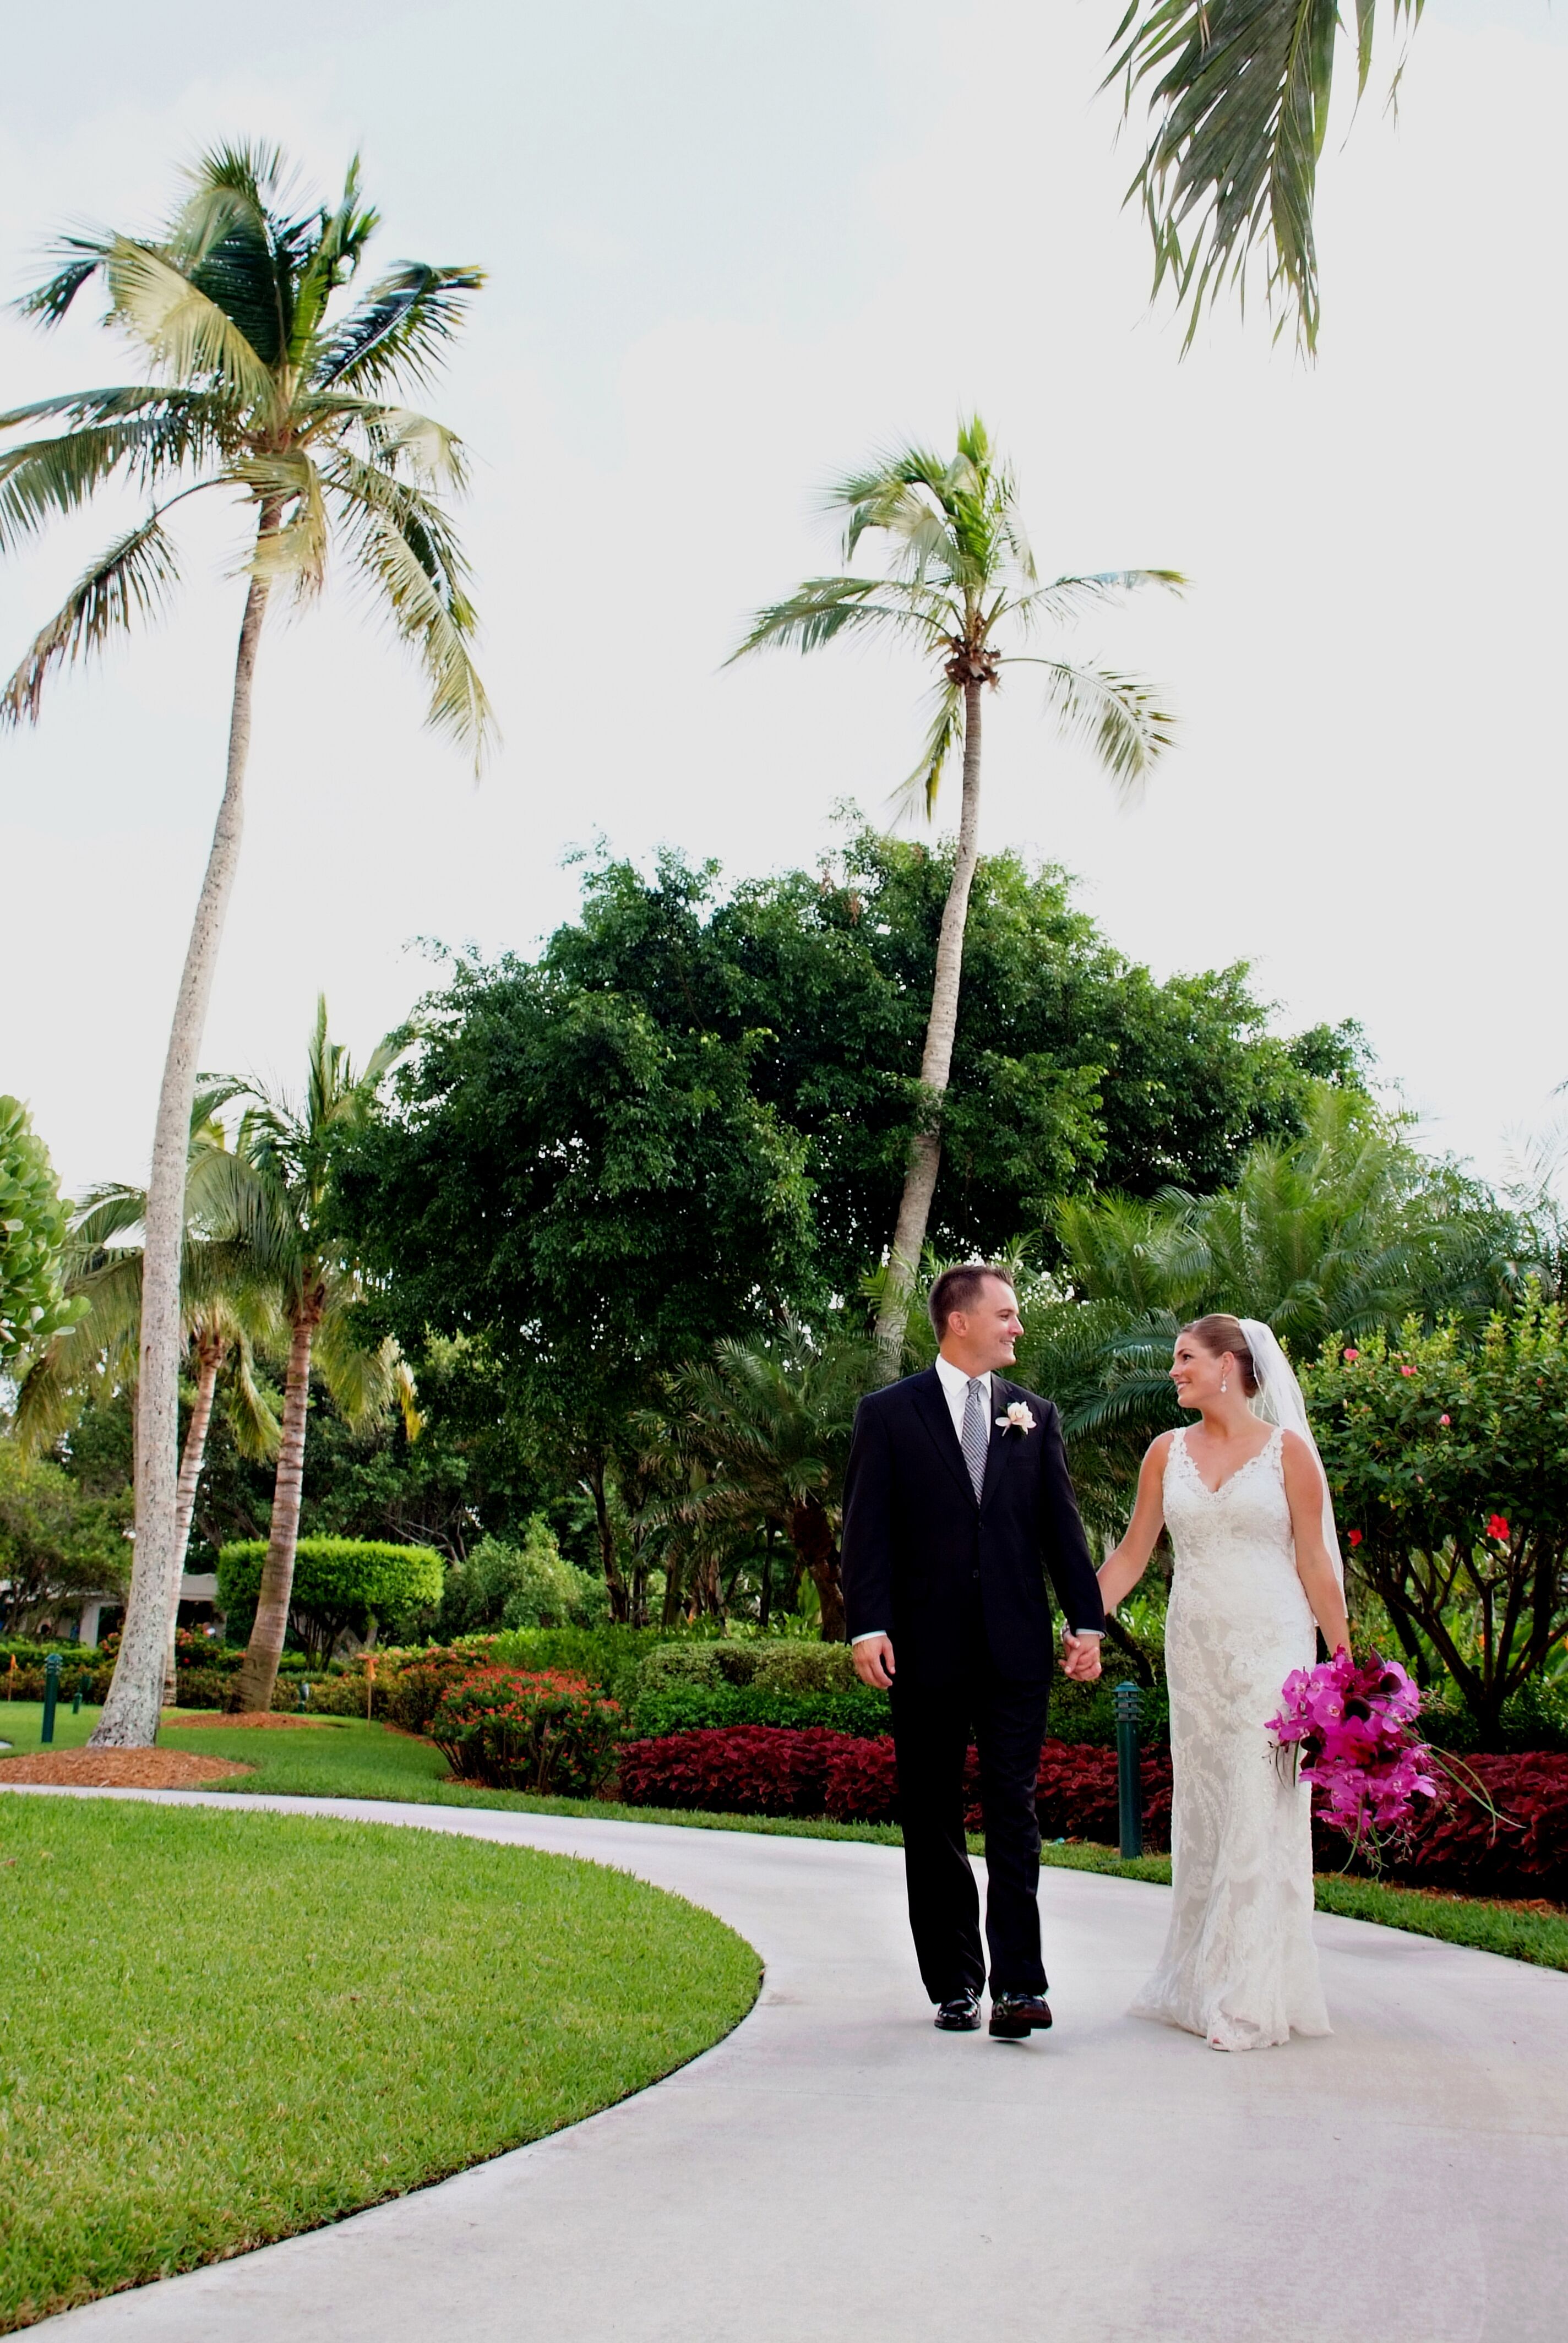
x,y
734,246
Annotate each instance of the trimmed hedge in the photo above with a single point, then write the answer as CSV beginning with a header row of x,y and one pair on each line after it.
x,y
338,1582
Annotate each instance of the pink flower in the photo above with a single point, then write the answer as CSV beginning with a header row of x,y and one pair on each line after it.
x,y
1407,1370
1351,1357
1445,1419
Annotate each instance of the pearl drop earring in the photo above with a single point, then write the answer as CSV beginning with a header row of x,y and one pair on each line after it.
x,y
1224,1383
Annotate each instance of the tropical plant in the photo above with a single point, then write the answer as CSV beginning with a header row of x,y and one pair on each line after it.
x,y
282,1191
768,1424
962,588
55,1541
33,1228
524,1584
1239,95
259,388
1448,1460
227,1310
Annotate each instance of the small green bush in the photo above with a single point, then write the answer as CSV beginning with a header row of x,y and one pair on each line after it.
x,y
500,1585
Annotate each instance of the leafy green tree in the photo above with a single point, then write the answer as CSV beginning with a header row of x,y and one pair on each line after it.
x,y
339,1584
34,1225
281,1204
263,389
1449,1465
1071,1068
961,589
1239,91
55,1541
522,1585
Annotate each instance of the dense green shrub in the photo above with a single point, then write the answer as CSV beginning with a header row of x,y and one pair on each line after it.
x,y
505,1585
549,1731
338,1582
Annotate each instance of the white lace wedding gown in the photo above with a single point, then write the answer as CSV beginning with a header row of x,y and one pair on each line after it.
x,y
1239,1965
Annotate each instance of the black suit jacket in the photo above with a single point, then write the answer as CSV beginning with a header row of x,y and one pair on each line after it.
x,y
919,1552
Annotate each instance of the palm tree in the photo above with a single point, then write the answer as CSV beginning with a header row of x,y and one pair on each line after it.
x,y
962,588
227,1310
283,1178
1241,93
261,387
768,1423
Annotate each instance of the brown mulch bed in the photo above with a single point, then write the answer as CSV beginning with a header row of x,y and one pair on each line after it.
x,y
269,1719
118,1769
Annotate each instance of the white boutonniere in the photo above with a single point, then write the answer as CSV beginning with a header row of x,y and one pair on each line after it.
x,y
1019,1417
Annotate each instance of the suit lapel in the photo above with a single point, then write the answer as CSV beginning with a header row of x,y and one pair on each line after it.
x,y
932,1406
998,1457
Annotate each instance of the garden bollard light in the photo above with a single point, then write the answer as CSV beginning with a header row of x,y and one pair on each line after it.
x,y
51,1695
1129,1780
76,1697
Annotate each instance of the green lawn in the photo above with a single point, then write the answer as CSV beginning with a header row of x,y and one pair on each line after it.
x,y
344,1757
219,2027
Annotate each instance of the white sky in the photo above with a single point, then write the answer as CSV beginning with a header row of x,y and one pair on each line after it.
x,y
733,249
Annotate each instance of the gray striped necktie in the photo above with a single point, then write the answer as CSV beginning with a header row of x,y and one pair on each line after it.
x,y
975,1438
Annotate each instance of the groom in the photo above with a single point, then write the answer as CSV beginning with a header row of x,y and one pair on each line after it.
x,y
957,1502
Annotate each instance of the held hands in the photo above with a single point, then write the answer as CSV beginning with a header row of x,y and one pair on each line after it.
x,y
874,1661
1079,1656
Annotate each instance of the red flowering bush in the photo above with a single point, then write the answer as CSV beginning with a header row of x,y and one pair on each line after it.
x,y
778,1770
744,1769
1453,1842
515,1730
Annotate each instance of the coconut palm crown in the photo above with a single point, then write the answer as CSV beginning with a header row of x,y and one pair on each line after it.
x,y
960,588
265,388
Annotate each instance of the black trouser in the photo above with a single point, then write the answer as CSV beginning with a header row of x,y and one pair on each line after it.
x,y
932,1728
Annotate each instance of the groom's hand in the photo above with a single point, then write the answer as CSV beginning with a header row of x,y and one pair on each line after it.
x,y
1081,1657
874,1661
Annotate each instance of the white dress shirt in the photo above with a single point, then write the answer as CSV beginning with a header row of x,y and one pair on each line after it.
x,y
955,1386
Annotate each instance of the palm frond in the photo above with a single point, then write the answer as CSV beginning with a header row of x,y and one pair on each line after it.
x,y
184,327
1239,93
130,582
400,330
1068,597
1115,715
46,477
81,258
825,607
405,544
946,734
298,550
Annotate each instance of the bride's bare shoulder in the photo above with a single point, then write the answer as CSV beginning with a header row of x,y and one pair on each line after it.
x,y
1158,1450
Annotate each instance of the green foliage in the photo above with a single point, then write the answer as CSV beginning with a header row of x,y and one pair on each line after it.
x,y
519,1586
54,1541
34,1225
550,1732
1449,1465
338,1582
211,2016
1239,91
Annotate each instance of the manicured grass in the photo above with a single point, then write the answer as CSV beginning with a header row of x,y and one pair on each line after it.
x,y
22,1722
344,1757
218,2028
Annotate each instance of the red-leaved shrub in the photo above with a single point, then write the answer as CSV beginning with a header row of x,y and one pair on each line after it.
x,y
743,1769
1454,1842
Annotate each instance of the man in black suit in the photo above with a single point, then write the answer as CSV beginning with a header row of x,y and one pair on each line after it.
x,y
957,1502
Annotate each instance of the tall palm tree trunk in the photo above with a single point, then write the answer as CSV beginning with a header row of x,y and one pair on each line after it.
x,y
130,1717
257,1677
936,1064
209,1353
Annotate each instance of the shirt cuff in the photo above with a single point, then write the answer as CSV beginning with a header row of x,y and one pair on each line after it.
x,y
869,1637
1098,1633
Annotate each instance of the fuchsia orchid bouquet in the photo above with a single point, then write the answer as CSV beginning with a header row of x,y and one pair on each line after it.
x,y
1351,1721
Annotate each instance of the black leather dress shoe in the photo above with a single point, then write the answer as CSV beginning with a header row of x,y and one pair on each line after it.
x,y
959,2015
1014,2016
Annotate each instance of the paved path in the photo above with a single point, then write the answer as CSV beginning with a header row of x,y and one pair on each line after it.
x,y
836,2172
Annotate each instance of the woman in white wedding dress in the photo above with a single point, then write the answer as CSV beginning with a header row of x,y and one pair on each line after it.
x,y
1244,1496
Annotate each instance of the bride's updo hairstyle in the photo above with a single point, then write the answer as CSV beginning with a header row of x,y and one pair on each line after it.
x,y
1220,1333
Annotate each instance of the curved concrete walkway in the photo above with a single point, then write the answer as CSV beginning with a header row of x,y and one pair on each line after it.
x,y
836,2172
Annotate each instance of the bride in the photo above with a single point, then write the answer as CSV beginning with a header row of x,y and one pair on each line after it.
x,y
1243,1496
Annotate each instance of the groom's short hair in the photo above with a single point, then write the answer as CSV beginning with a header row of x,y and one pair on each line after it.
x,y
959,1289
